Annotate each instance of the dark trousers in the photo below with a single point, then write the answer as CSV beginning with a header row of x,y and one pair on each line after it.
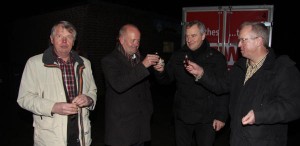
x,y
138,144
187,134
73,131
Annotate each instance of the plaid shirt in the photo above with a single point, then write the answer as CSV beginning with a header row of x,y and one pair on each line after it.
x,y
252,68
67,70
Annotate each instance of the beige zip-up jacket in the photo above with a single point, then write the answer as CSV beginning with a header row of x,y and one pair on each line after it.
x,y
42,86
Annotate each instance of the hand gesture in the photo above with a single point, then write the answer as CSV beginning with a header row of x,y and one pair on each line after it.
x,y
150,59
160,65
82,101
193,68
64,108
249,119
218,125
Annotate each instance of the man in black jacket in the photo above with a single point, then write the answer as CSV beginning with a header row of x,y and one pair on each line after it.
x,y
264,90
198,112
128,102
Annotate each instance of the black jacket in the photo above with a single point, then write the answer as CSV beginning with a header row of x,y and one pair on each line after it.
x,y
128,102
194,103
272,92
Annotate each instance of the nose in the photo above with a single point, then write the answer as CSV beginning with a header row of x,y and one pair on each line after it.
x,y
136,44
64,39
188,39
239,43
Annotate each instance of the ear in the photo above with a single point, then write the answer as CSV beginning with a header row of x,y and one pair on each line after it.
x,y
203,36
121,39
51,39
260,41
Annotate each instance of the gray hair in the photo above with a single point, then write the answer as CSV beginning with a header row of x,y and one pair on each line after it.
x,y
67,25
200,25
259,29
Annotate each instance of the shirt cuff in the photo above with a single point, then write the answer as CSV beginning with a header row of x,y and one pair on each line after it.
x,y
199,77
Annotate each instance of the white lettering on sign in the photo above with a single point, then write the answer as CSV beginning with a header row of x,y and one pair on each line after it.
x,y
212,32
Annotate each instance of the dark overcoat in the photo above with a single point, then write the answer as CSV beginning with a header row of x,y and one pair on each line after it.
x,y
273,94
193,103
128,102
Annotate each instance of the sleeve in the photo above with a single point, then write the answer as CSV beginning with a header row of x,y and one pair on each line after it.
x,y
119,78
217,84
91,90
30,96
221,100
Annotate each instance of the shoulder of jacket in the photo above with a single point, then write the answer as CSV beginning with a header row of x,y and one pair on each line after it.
x,y
85,60
284,61
213,52
36,57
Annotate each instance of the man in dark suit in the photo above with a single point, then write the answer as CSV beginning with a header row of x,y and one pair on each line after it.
x,y
198,112
264,90
128,103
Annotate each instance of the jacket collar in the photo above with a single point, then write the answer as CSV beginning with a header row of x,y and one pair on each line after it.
x,y
268,63
49,58
203,48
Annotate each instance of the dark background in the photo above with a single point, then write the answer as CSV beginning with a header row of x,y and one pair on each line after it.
x,y
17,48
284,39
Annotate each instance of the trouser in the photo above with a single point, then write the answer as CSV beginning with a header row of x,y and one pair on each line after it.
x,y
138,144
73,131
186,134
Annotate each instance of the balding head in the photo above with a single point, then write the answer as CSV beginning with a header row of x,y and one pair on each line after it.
x,y
129,37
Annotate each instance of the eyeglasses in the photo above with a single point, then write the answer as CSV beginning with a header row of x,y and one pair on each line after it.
x,y
243,40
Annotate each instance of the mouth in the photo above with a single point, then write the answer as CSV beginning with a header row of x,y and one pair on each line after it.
x,y
64,46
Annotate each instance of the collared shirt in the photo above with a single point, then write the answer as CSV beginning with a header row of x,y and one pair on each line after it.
x,y
67,70
134,59
252,68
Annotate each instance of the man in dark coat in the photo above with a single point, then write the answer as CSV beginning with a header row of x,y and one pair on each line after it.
x,y
198,112
128,102
264,90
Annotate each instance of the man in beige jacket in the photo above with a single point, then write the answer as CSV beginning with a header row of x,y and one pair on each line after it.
x,y
58,87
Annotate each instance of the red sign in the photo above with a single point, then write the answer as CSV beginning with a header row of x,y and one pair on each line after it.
x,y
213,21
219,22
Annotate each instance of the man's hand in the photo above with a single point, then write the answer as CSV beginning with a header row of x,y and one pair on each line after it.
x,y
82,101
249,119
160,66
150,59
194,69
218,125
64,108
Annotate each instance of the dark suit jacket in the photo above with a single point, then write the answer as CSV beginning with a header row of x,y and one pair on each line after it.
x,y
193,103
128,102
273,94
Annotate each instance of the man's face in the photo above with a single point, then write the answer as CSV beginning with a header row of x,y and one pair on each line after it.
x,y
194,38
130,40
62,41
248,42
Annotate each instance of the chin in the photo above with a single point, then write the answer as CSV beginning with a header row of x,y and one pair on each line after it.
x,y
193,48
243,55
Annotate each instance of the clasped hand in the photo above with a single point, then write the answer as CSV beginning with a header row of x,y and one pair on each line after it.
x,y
151,59
64,108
